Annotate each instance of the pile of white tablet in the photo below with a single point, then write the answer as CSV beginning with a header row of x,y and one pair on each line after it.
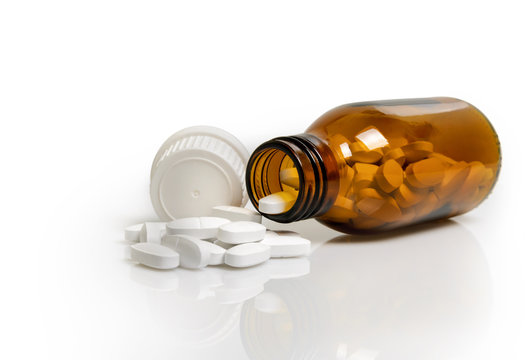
x,y
232,235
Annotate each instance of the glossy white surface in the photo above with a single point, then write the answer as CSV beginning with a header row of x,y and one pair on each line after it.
x,y
444,290
90,90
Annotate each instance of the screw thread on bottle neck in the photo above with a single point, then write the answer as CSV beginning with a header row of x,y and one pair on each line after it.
x,y
316,169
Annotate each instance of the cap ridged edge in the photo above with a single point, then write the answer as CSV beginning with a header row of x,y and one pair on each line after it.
x,y
216,141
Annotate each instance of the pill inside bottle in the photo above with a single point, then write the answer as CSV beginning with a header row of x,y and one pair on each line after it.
x,y
375,166
281,183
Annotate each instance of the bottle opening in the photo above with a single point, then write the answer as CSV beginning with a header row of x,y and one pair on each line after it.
x,y
286,178
276,181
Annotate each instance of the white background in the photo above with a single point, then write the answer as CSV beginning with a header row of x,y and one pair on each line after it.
x,y
90,89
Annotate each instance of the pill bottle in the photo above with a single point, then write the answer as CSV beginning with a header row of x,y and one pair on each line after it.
x,y
374,166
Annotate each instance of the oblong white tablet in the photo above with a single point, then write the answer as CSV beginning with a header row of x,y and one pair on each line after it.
x,y
277,203
216,253
200,227
240,232
151,232
155,255
245,255
235,213
287,246
194,254
132,233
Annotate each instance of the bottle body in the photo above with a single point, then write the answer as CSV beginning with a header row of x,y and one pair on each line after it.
x,y
382,165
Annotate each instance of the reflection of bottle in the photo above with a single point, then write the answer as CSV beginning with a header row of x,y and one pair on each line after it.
x,y
420,295
374,166
202,307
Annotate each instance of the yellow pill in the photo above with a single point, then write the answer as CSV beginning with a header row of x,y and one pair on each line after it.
x,y
361,154
369,201
364,175
345,180
411,179
388,212
473,180
362,182
444,158
356,147
396,154
487,178
368,206
429,204
369,193
342,209
429,172
397,142
361,168
389,176
290,177
417,150
454,177
407,197
476,174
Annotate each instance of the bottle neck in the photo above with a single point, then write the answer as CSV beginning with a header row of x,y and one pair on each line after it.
x,y
316,169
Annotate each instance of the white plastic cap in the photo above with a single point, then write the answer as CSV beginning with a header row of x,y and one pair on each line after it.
x,y
196,169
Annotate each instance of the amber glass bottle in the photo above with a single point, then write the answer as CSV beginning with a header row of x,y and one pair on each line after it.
x,y
374,166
